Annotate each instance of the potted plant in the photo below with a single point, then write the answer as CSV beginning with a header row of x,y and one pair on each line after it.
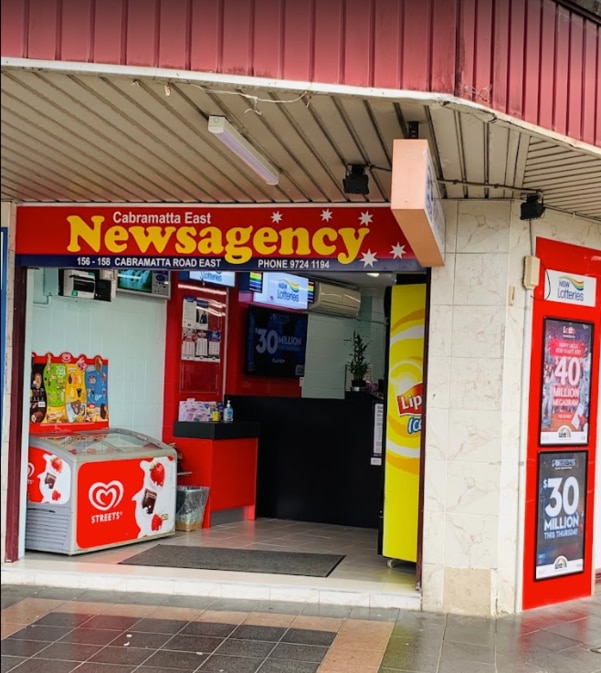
x,y
358,364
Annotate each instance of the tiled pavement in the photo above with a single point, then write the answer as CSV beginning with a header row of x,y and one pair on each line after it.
x,y
53,630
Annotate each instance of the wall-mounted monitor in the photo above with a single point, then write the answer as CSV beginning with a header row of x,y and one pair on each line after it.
x,y
283,289
144,282
227,278
276,342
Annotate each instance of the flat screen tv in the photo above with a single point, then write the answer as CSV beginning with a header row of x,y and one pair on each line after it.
x,y
145,282
276,342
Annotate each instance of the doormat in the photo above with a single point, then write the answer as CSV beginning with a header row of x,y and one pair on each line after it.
x,y
237,560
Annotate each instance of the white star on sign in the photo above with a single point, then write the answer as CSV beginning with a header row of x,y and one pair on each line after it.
x,y
326,215
369,258
276,217
398,251
365,219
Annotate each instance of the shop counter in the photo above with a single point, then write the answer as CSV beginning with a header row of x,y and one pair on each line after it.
x,y
222,456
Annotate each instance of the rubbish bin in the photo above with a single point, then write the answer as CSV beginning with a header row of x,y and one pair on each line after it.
x,y
190,507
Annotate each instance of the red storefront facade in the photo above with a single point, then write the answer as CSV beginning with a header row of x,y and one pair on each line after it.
x,y
534,65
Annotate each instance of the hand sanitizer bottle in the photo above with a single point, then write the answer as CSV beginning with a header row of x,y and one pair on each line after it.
x,y
228,412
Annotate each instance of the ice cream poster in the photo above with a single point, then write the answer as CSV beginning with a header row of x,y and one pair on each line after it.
x,y
66,391
566,382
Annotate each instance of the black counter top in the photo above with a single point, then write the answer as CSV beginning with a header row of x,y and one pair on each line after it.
x,y
212,430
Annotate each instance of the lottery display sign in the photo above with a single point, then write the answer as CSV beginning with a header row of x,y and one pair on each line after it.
x,y
566,382
561,513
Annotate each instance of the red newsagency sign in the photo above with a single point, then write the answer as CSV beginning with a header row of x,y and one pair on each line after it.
x,y
335,238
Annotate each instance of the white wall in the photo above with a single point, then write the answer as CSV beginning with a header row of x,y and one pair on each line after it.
x,y
329,345
129,331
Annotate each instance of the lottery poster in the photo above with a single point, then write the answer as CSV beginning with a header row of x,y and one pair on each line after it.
x,y
561,513
566,382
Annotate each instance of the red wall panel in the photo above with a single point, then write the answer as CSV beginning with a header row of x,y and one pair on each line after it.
x,y
575,81
329,36
44,38
108,40
174,33
358,43
580,261
533,59
517,74
546,88
417,46
76,30
206,37
237,33
268,42
591,73
297,40
237,382
388,28
444,28
142,32
13,29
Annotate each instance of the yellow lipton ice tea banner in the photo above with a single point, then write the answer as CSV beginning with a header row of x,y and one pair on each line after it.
x,y
404,421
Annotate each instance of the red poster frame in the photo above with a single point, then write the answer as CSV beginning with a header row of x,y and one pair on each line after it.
x,y
579,261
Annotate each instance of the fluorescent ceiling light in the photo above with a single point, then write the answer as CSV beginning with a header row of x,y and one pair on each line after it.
x,y
228,135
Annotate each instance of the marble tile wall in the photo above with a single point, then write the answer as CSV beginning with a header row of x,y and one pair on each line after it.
x,y
474,469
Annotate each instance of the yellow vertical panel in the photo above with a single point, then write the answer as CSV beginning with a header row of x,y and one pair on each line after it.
x,y
404,421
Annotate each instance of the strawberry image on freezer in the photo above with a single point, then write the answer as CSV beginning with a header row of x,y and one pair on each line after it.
x,y
156,523
51,479
153,500
157,474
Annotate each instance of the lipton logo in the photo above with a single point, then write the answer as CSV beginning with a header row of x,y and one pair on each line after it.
x,y
411,401
105,496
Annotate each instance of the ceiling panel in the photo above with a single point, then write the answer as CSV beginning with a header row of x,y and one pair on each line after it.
x,y
88,137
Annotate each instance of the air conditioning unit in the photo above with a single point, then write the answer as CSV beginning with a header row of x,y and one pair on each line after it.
x,y
336,300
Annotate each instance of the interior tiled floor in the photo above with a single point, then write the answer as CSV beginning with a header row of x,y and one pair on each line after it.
x,y
362,568
56,630
359,545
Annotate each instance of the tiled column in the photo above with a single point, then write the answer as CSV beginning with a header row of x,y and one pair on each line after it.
x,y
7,220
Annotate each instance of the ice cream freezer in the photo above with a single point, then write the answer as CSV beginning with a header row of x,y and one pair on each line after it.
x,y
90,490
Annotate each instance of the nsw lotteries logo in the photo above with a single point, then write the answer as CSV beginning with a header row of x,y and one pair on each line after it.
x,y
570,289
288,290
576,283
105,496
